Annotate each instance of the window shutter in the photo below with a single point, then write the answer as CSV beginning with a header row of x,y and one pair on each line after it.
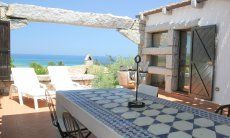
x,y
5,70
203,61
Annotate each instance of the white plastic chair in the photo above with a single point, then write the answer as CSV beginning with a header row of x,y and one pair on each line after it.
x,y
61,79
28,85
148,90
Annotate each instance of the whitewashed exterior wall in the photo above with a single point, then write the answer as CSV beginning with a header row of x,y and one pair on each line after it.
x,y
213,12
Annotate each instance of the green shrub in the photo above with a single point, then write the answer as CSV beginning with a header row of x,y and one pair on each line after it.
x,y
51,63
39,69
60,63
106,77
12,63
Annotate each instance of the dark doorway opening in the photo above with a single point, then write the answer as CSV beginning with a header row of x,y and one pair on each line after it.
x,y
184,61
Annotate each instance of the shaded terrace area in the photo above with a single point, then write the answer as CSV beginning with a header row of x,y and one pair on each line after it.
x,y
24,121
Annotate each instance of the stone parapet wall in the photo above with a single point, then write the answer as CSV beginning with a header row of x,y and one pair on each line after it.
x,y
83,79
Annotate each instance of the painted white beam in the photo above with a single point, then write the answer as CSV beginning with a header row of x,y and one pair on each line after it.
x,y
133,35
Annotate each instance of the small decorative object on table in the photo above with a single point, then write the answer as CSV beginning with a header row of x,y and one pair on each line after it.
x,y
136,103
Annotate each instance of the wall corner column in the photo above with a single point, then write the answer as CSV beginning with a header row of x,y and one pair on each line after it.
x,y
172,61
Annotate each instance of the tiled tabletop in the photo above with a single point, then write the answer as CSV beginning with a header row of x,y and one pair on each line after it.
x,y
160,118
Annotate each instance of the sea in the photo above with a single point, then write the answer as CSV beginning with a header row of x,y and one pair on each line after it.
x,y
24,60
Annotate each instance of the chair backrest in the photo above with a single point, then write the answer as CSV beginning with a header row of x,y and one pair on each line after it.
x,y
53,114
71,125
147,89
222,108
25,79
60,77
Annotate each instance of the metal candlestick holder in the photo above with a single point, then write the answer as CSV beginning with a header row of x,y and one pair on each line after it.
x,y
136,103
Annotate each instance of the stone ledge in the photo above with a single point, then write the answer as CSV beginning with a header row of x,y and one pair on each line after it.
x,y
160,71
80,77
83,77
43,78
158,51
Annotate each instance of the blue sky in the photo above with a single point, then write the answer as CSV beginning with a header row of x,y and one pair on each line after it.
x,y
59,39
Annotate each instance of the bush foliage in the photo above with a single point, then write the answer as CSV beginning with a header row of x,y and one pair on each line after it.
x,y
41,70
106,76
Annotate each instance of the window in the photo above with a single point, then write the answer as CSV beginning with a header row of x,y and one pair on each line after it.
x,y
159,61
160,39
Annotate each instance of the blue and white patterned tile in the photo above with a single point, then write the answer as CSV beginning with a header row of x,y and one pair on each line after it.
x,y
147,102
113,97
183,125
203,122
122,100
103,101
91,95
223,129
121,94
110,105
124,104
203,133
139,109
120,109
143,121
105,94
151,112
159,129
157,106
185,116
130,115
100,92
170,110
179,134
96,98
165,118
85,92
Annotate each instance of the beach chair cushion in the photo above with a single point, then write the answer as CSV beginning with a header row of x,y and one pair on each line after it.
x,y
61,78
26,81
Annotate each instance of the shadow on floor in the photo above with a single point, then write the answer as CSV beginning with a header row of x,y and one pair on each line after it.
x,y
30,125
30,102
185,99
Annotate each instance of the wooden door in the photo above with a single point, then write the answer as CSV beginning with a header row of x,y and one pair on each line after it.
x,y
202,62
5,50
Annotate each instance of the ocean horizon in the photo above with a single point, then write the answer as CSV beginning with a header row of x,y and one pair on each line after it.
x,y
24,60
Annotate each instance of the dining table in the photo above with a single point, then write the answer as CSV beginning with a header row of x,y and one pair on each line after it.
x,y
106,114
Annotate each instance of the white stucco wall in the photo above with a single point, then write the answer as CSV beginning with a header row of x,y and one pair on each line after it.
x,y
213,12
